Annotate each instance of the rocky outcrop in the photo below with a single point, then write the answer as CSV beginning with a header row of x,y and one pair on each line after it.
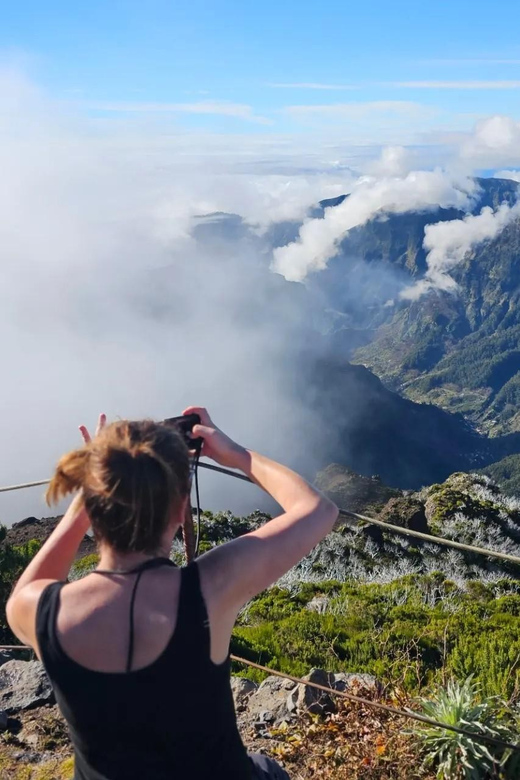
x,y
242,689
40,529
38,732
354,491
406,512
277,700
269,704
23,686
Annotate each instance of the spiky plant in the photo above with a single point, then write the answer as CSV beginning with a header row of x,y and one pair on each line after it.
x,y
457,756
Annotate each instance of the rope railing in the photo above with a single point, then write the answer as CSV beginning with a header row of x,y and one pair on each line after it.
x,y
377,705
24,485
395,529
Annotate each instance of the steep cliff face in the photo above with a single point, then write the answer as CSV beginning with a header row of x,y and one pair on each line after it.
x,y
376,431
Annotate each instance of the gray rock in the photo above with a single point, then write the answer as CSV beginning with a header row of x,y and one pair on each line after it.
x,y
268,704
242,689
304,698
344,682
23,686
277,700
27,757
3,720
307,699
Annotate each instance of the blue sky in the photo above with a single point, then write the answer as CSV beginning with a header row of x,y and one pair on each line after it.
x,y
285,66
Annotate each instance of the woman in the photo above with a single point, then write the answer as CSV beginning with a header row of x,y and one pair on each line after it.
x,y
138,650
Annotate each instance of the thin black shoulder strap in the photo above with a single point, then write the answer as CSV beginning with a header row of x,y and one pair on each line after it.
x,y
154,563
46,615
130,655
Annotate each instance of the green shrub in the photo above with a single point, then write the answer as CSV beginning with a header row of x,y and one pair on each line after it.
x,y
84,566
13,560
461,757
397,631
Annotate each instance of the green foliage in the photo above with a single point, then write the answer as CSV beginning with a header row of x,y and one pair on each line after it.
x,y
425,354
506,472
493,657
413,632
84,566
219,527
13,560
458,756
450,499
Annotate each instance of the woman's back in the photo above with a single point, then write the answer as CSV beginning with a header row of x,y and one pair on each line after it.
x,y
170,716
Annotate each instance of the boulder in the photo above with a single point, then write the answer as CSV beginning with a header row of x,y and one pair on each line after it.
x,y
242,689
277,700
4,720
23,686
406,512
268,705
307,699
351,682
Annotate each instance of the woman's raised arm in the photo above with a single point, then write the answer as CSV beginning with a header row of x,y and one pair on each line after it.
x,y
51,564
244,567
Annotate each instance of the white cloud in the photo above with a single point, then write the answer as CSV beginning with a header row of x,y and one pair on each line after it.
x,y
109,302
319,239
513,175
498,84
495,141
353,111
314,85
238,110
93,211
394,161
449,242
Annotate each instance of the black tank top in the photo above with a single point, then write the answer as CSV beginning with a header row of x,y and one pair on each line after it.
x,y
171,720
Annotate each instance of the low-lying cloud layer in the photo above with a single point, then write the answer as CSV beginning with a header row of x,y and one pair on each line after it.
x,y
108,302
115,296
319,239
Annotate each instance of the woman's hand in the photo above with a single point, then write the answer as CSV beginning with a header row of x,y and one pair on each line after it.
x,y
100,425
77,507
217,445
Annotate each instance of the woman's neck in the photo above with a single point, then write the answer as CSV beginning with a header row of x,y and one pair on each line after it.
x,y
113,560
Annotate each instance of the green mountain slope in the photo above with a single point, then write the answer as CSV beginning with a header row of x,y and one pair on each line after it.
x,y
463,352
458,351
